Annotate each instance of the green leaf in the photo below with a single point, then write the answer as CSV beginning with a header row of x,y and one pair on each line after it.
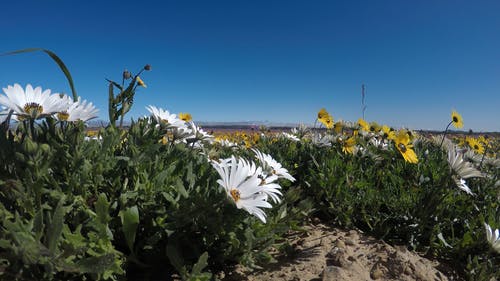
x,y
56,226
201,264
96,265
115,84
175,258
38,225
102,209
59,62
130,221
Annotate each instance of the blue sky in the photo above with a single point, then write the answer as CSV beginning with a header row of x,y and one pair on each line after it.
x,y
278,61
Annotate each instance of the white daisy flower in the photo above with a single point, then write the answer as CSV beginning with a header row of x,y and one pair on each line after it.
x,y
198,134
322,140
225,142
270,188
244,189
462,168
463,186
181,134
379,143
272,166
31,103
290,136
3,114
493,237
164,117
79,110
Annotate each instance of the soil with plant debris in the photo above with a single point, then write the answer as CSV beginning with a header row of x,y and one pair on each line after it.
x,y
324,253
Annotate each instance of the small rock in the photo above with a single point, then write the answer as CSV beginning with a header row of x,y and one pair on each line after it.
x,y
351,258
340,244
336,257
311,244
349,242
407,270
330,273
376,272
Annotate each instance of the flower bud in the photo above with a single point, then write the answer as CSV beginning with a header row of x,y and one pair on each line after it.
x,y
30,146
147,67
126,74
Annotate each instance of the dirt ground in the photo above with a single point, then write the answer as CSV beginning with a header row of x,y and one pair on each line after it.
x,y
324,254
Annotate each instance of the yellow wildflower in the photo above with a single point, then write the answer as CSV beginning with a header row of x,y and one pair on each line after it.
x,y
402,143
327,121
322,113
140,82
363,125
349,146
475,145
338,127
185,117
456,120
374,127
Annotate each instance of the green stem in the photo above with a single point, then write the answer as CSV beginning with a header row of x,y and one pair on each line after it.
x,y
444,134
32,128
482,158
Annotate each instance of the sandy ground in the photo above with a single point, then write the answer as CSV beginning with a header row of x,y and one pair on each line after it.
x,y
324,254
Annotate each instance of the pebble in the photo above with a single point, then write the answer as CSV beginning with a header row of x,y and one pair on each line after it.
x,y
349,242
376,272
339,243
330,273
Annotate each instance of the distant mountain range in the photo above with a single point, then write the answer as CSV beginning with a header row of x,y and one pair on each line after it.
x,y
275,125
245,124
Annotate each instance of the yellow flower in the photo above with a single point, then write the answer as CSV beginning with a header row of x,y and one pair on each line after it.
x,y
140,82
388,132
374,127
322,113
325,118
402,143
363,125
349,146
185,117
456,120
475,145
327,121
338,127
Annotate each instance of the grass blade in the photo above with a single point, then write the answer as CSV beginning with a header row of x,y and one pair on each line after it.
x,y
59,62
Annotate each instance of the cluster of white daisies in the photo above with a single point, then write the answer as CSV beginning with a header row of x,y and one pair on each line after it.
x,y
252,186
248,185
33,103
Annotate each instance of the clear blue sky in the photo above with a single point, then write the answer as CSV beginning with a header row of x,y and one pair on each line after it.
x,y
278,61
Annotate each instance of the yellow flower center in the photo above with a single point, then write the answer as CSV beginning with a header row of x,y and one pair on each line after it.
x,y
402,147
262,180
33,107
63,116
235,194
